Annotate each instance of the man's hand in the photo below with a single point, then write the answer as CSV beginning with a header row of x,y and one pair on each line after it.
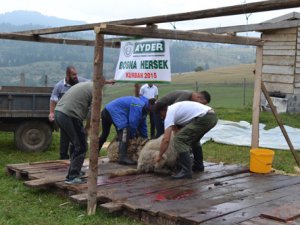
x,y
157,158
51,117
110,82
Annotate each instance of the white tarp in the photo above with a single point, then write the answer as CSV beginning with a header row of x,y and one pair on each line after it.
x,y
239,133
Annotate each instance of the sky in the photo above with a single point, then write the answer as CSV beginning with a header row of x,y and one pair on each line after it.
x,y
93,11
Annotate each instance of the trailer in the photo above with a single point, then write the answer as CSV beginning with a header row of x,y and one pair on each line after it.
x,y
24,111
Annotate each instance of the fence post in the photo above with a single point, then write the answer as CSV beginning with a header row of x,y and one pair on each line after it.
x,y
22,79
244,89
46,81
197,87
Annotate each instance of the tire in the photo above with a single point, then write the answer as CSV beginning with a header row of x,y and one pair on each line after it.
x,y
33,136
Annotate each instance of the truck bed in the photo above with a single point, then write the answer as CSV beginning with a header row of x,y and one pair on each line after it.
x,y
24,101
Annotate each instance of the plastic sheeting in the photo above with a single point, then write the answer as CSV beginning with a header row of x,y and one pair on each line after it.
x,y
239,133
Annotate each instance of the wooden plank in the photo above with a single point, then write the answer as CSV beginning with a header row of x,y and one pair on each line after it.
x,y
278,78
243,209
139,184
253,27
22,37
297,78
174,34
297,85
279,60
283,213
44,182
168,204
297,70
276,43
292,30
283,88
296,91
279,37
111,207
288,16
280,52
208,13
263,221
256,98
99,82
285,70
279,47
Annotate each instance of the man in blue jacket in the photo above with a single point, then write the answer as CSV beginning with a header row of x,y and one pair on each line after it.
x,y
128,114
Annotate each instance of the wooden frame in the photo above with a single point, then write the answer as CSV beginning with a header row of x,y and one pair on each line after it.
x,y
124,27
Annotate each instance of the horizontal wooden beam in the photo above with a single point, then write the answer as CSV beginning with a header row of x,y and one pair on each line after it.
x,y
252,27
176,35
201,14
35,38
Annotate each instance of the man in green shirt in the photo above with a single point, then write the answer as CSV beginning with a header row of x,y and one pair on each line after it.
x,y
70,112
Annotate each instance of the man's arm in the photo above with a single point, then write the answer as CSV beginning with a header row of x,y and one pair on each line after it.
x,y
164,143
110,81
51,113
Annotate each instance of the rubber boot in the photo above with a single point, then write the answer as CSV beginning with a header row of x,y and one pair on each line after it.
x,y
198,159
123,159
186,167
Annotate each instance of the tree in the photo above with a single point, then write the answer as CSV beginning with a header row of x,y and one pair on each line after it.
x,y
198,68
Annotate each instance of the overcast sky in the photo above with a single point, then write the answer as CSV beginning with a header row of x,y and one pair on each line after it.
x,y
92,11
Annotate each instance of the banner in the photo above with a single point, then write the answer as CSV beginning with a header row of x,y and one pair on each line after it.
x,y
144,60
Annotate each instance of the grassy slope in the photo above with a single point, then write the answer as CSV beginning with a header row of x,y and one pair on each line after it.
x,y
21,205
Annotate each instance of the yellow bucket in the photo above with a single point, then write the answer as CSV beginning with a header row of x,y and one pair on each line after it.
x,y
261,160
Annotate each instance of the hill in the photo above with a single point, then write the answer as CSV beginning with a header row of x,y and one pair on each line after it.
x,y
23,17
230,75
36,60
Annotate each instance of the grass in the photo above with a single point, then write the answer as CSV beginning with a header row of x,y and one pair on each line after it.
x,y
22,205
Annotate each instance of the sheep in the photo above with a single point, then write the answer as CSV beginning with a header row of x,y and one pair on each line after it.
x,y
133,149
146,152
150,151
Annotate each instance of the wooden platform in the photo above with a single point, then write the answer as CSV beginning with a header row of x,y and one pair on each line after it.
x,y
223,194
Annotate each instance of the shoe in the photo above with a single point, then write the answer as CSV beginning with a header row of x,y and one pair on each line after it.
x,y
186,166
64,157
198,159
81,174
75,180
124,160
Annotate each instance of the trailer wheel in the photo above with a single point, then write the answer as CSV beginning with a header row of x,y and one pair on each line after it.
x,y
33,136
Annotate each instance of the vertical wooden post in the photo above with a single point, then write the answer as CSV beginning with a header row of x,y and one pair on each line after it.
x,y
256,98
46,80
136,89
244,92
95,121
22,79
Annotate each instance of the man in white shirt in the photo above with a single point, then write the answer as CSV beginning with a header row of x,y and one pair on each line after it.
x,y
196,119
150,91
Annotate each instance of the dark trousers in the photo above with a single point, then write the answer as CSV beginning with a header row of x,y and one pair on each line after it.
x,y
64,145
74,130
159,125
152,125
106,122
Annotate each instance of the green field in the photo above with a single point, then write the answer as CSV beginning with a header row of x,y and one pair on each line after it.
x,y
21,205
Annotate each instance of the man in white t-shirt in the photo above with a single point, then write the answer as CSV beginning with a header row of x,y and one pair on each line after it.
x,y
150,91
196,120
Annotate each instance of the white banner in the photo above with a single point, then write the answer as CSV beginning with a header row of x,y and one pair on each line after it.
x,y
144,60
